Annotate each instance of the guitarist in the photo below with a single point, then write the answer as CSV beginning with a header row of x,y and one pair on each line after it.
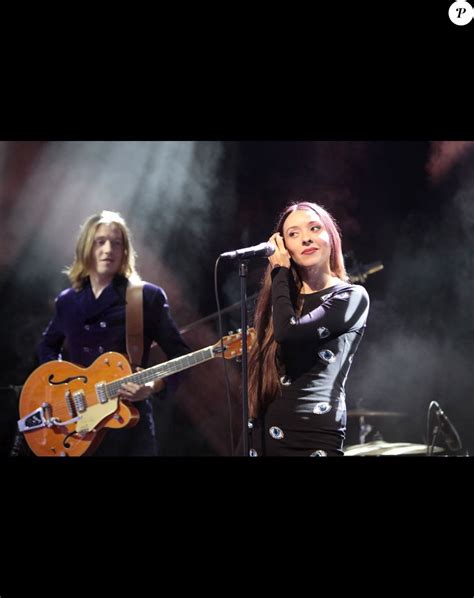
x,y
90,318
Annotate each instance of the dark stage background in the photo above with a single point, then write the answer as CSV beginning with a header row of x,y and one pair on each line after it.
x,y
407,204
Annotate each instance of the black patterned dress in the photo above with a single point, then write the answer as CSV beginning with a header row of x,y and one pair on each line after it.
x,y
315,354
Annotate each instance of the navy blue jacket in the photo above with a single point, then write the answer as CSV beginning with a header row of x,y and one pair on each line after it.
x,y
88,327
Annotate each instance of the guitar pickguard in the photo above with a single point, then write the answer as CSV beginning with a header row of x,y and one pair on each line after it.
x,y
94,415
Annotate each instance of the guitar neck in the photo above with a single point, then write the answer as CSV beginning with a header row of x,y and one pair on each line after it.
x,y
163,370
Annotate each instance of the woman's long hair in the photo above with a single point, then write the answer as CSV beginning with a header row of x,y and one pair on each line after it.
x,y
264,383
79,270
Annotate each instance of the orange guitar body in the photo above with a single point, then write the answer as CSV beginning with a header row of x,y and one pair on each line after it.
x,y
65,410
67,391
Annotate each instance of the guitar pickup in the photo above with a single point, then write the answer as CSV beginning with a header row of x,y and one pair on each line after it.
x,y
101,392
79,401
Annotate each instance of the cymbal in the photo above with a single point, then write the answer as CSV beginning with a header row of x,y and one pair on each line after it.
x,y
387,449
372,413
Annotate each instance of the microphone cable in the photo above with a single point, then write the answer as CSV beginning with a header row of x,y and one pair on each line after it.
x,y
226,376
443,423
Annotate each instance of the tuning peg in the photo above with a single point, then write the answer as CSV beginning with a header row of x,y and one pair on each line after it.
x,y
230,332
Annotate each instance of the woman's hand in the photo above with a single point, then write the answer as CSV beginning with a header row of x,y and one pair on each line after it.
x,y
281,257
139,392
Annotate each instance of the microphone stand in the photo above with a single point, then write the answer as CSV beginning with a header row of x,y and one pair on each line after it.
x,y
243,270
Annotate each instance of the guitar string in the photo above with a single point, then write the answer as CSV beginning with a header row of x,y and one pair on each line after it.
x,y
155,372
172,366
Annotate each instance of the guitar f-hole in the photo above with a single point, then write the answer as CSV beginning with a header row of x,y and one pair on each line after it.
x,y
66,380
65,442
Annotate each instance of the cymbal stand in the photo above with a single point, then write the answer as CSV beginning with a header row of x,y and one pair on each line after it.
x,y
364,429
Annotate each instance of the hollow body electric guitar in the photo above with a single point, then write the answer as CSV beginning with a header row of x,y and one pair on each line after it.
x,y
65,410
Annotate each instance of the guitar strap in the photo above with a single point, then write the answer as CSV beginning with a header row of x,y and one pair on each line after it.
x,y
134,322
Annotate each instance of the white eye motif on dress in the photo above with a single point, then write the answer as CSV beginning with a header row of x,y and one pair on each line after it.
x,y
321,408
327,356
323,332
276,433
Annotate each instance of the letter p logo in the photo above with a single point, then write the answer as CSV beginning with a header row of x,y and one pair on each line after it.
x,y
461,12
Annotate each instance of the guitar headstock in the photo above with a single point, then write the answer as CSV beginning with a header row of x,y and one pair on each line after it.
x,y
233,344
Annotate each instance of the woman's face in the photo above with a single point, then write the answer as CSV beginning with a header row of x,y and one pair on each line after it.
x,y
307,240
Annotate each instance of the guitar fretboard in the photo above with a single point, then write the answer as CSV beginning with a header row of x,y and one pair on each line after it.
x,y
162,370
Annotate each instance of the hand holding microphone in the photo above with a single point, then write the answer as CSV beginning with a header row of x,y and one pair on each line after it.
x,y
281,257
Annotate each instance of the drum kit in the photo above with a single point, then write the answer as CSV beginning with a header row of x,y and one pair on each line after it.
x,y
379,447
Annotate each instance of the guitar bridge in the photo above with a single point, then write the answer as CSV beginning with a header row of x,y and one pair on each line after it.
x,y
36,419
41,418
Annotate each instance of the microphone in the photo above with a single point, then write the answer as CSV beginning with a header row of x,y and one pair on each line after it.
x,y
450,433
261,250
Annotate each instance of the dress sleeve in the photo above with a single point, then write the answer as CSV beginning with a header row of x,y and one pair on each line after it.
x,y
49,348
343,311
